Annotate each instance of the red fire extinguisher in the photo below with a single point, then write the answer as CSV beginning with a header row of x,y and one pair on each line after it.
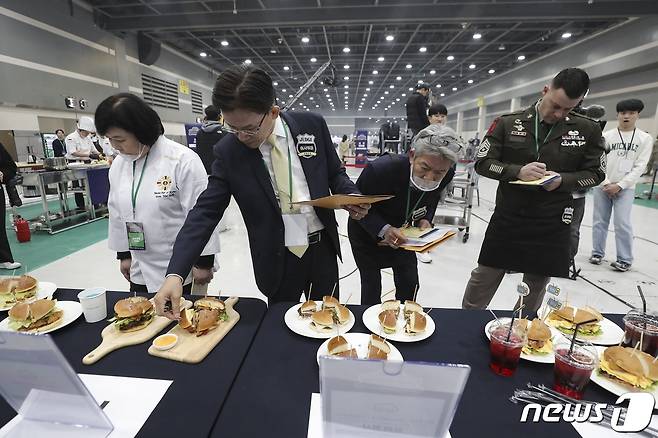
x,y
22,230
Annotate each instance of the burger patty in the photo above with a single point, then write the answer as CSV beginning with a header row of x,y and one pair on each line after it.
x,y
53,317
135,322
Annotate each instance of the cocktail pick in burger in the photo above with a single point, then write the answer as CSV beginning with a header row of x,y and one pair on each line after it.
x,y
552,304
523,290
552,289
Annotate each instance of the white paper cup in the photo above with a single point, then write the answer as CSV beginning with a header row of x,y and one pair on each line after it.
x,y
94,304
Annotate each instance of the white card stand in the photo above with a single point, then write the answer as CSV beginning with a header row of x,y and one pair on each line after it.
x,y
381,399
47,394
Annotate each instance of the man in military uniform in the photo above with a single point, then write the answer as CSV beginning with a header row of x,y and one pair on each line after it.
x,y
529,230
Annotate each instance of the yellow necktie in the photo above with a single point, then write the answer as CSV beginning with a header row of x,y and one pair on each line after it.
x,y
282,175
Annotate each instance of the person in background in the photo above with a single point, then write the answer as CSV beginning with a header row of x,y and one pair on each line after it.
x,y
80,147
106,146
343,149
630,150
417,108
530,231
154,183
270,161
437,114
59,145
416,181
208,136
7,172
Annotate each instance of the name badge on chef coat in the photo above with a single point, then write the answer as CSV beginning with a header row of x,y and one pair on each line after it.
x,y
625,165
136,241
296,229
419,214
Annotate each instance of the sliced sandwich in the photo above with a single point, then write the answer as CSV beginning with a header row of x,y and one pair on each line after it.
x,y
539,338
416,323
411,306
132,314
329,302
378,348
393,305
341,314
37,316
17,289
338,346
205,316
323,321
567,317
388,319
307,309
629,366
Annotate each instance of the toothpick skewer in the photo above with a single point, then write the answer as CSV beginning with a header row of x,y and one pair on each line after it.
x,y
310,288
348,298
428,312
494,315
334,291
415,293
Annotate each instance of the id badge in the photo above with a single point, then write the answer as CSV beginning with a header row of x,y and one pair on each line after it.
x,y
136,241
625,165
296,229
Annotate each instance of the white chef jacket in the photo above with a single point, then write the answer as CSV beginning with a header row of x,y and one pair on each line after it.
x,y
75,143
174,178
108,150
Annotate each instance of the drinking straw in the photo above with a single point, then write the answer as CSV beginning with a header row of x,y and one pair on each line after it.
x,y
644,301
575,333
511,324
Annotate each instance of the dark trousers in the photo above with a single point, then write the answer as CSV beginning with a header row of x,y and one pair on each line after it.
x,y
141,288
405,275
318,266
578,213
5,249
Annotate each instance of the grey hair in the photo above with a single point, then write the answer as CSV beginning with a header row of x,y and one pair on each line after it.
x,y
438,140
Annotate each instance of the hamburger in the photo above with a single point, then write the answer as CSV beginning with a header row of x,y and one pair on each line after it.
x,y
630,366
338,346
40,315
539,338
329,302
307,309
132,314
17,289
205,316
391,305
322,321
388,320
411,306
378,348
415,323
567,317
341,314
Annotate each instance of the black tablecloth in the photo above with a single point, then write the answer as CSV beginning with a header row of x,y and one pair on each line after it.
x,y
191,404
272,392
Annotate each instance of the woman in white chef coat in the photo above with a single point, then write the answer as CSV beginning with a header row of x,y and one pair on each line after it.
x,y
154,183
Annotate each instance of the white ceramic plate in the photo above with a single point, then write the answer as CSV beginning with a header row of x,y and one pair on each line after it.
x,y
610,334
359,341
302,326
72,311
539,358
45,289
612,385
371,321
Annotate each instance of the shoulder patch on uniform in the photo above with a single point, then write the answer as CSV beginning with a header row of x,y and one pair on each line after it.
x,y
493,125
603,162
484,148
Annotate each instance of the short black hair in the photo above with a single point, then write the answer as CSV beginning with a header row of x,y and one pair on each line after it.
x,y
422,85
344,137
60,129
131,113
438,108
244,87
630,105
212,113
574,82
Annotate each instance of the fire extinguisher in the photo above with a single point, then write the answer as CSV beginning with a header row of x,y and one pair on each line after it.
x,y
22,230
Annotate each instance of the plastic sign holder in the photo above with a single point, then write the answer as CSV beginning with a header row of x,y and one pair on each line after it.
x,y
387,399
47,394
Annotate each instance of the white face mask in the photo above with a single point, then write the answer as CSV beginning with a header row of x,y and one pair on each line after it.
x,y
423,184
133,157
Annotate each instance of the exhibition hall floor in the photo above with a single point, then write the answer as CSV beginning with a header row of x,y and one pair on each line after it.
x,y
442,282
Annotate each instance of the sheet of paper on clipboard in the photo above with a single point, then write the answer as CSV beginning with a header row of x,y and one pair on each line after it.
x,y
418,239
339,201
538,182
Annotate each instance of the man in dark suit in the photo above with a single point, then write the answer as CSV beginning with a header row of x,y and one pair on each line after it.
x,y
270,161
417,108
59,146
416,181
208,136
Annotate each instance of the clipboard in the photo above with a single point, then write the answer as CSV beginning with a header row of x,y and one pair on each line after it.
x,y
336,202
427,247
538,182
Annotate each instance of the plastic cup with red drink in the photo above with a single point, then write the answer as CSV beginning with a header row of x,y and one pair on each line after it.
x,y
639,325
573,369
505,347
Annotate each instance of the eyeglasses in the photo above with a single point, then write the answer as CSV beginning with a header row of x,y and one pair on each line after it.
x,y
246,132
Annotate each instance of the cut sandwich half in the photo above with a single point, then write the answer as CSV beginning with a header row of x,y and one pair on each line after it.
x,y
378,348
338,346
388,319
206,315
415,323
329,302
411,306
38,316
322,321
17,289
539,338
132,314
307,308
341,314
566,318
629,366
393,305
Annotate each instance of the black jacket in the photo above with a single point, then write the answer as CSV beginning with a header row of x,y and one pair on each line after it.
x,y
417,111
208,136
59,148
238,171
7,165
389,175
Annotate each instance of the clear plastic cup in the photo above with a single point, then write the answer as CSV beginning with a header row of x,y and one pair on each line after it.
x,y
505,347
94,304
640,325
573,370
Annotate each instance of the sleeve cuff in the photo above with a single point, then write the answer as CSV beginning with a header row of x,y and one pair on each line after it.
x,y
182,280
205,262
123,255
383,231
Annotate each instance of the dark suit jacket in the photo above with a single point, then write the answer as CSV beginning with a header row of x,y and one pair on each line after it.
x,y
417,111
389,175
239,171
59,149
206,139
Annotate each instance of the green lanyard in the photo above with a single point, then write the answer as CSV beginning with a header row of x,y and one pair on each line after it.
x,y
537,131
134,190
409,213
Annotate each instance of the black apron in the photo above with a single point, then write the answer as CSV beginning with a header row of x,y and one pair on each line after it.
x,y
529,232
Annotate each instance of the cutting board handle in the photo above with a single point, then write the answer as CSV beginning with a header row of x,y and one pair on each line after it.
x,y
230,302
98,353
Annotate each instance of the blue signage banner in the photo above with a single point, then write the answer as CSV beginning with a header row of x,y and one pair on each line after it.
x,y
191,130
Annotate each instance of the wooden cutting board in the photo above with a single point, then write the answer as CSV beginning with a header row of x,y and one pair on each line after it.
x,y
192,348
113,339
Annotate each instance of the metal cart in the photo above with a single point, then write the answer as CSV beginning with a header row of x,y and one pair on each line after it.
x,y
459,197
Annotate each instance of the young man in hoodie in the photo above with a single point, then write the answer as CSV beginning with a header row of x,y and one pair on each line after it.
x,y
208,136
630,150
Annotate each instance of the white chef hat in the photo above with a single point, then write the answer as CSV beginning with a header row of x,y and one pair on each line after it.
x,y
86,123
